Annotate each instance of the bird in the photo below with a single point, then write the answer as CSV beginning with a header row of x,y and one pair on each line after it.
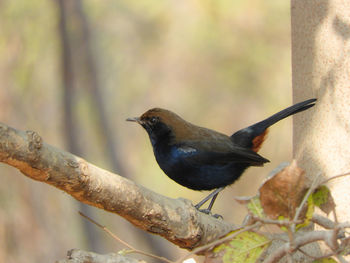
x,y
204,159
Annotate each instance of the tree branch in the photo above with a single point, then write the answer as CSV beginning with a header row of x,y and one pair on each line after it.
x,y
132,249
77,256
298,242
174,219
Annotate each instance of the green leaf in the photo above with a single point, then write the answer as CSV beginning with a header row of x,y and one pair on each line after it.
x,y
309,213
325,260
323,199
283,228
124,251
320,196
246,247
254,206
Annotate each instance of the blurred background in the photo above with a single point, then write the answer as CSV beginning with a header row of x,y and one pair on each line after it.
x,y
74,70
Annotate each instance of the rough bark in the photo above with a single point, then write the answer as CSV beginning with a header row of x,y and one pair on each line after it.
x,y
174,219
320,68
78,256
321,63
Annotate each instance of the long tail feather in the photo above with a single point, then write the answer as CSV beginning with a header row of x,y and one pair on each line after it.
x,y
253,136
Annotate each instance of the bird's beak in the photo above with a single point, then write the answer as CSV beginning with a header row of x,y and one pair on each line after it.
x,y
135,119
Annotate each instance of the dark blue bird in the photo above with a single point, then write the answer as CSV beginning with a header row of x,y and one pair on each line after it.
x,y
203,159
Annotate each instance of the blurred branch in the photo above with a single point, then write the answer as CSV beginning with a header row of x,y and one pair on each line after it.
x,y
80,72
70,124
298,242
94,85
174,219
131,248
77,256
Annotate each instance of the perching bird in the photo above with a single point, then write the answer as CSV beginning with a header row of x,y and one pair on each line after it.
x,y
203,159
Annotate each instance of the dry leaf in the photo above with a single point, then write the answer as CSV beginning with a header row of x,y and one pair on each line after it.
x,y
281,194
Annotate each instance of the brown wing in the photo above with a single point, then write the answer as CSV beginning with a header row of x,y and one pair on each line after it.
x,y
195,154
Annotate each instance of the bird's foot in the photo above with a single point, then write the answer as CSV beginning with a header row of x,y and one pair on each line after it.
x,y
208,212
217,216
205,211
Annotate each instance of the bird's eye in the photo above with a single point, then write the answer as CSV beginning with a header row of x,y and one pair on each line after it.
x,y
154,120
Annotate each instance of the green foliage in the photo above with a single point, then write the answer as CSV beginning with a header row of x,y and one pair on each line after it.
x,y
323,199
244,248
325,260
254,206
320,196
309,213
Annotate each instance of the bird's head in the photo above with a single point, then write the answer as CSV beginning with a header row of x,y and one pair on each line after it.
x,y
159,123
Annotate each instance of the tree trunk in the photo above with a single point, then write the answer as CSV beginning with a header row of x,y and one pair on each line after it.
x,y
321,69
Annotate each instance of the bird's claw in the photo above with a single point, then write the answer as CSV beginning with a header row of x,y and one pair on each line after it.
x,y
217,216
208,212
205,211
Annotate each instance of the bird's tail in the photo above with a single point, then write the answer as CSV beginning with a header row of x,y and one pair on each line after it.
x,y
253,136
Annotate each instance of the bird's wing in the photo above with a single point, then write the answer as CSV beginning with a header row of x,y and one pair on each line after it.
x,y
190,152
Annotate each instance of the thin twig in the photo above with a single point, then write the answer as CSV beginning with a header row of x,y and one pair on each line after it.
x,y
335,215
132,249
323,221
344,225
299,241
253,218
341,259
107,231
334,177
268,221
313,186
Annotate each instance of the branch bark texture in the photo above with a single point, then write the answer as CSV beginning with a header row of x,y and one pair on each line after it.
x,y
174,219
78,256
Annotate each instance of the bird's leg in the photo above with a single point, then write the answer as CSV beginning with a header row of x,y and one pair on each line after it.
x,y
213,197
212,201
208,210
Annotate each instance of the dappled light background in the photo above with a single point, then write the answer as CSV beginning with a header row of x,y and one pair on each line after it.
x,y
220,64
